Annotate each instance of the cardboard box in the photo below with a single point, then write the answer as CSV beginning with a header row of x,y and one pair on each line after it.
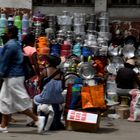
x,y
82,121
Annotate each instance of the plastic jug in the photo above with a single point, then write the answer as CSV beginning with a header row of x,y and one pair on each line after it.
x,y
3,24
17,22
25,24
10,20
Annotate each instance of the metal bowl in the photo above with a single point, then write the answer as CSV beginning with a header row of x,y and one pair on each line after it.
x,y
86,71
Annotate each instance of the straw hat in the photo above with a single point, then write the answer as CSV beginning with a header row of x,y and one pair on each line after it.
x,y
131,62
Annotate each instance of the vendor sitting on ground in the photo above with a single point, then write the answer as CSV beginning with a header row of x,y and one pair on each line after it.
x,y
51,98
127,79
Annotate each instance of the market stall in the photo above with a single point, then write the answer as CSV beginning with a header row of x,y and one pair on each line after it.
x,y
90,57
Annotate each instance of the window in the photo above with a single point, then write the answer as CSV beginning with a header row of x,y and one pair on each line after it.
x,y
115,2
133,2
78,1
87,1
70,1
47,1
64,2
57,1
123,3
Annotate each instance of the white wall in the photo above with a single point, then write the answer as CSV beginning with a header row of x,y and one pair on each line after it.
x,y
16,4
100,5
124,13
115,13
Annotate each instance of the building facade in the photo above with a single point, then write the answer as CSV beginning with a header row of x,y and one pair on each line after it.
x,y
15,7
118,9
123,14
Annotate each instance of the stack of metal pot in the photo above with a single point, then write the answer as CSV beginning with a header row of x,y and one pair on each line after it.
x,y
104,25
65,21
79,21
91,41
91,24
51,21
60,36
69,36
38,19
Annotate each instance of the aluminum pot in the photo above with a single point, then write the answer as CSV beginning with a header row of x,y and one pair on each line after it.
x,y
79,29
114,51
79,19
111,69
128,51
104,28
103,21
137,53
118,62
91,26
92,18
105,35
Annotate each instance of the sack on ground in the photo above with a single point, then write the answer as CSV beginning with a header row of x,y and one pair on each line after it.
x,y
135,105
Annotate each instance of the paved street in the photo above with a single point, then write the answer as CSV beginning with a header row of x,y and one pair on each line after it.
x,y
110,129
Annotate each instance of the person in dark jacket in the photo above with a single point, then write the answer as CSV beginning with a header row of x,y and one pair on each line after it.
x,y
127,79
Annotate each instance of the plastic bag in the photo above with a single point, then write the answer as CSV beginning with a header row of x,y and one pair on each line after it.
x,y
135,105
93,97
